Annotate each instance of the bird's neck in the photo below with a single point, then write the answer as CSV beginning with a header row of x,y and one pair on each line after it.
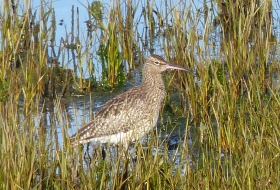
x,y
153,80
154,89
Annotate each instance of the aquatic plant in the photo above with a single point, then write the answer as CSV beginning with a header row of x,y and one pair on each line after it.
x,y
229,126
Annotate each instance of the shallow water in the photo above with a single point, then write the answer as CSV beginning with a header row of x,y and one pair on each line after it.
x,y
77,110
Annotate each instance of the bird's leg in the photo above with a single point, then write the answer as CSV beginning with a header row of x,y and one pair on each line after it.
x,y
103,153
86,155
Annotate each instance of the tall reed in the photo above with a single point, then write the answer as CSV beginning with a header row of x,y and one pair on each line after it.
x,y
230,107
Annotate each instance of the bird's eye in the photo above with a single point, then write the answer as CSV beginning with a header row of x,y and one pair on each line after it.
x,y
157,63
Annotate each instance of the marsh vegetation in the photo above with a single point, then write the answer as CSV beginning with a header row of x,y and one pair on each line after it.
x,y
229,109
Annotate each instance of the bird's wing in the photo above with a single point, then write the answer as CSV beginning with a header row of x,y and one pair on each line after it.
x,y
119,114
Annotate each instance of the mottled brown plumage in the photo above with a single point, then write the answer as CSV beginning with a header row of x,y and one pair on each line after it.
x,y
132,114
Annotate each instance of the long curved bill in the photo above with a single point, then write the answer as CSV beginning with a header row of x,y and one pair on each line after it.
x,y
177,67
